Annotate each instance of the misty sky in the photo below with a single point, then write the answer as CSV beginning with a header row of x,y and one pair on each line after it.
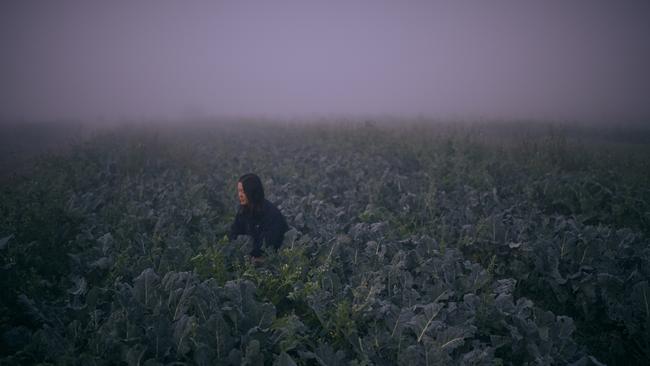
x,y
170,59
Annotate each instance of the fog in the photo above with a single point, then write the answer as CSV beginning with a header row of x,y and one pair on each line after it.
x,y
108,60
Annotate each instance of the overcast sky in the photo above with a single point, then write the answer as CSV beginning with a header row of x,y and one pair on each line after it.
x,y
492,59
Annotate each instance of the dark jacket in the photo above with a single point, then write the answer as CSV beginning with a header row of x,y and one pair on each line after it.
x,y
266,228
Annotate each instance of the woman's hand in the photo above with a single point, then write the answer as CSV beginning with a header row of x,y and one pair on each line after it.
x,y
256,261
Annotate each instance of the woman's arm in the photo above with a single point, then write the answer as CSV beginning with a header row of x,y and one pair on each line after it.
x,y
237,227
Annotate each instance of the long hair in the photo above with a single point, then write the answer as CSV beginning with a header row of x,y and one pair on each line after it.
x,y
254,193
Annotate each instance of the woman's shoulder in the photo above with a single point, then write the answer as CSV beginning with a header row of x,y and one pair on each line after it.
x,y
271,208
273,216
268,205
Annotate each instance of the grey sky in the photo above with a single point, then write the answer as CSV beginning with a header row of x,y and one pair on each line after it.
x,y
502,58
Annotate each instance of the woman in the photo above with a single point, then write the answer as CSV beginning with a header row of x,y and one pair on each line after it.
x,y
257,217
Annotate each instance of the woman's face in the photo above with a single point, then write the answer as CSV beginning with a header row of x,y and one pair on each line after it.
x,y
243,200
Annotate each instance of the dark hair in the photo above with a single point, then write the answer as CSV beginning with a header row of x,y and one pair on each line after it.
x,y
254,192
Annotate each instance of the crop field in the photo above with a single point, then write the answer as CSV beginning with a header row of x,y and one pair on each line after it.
x,y
468,244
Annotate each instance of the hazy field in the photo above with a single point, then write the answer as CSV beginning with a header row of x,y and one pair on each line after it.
x,y
469,243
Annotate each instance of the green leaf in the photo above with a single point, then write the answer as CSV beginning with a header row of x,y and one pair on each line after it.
x,y
145,286
284,360
4,241
182,328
